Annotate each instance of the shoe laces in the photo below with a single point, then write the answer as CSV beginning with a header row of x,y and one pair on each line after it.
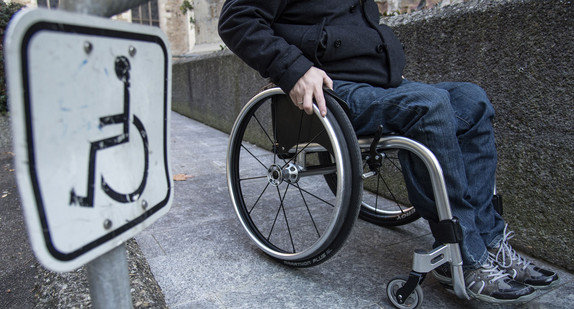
x,y
493,273
506,255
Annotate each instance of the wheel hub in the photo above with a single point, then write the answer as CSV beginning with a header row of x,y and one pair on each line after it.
x,y
276,175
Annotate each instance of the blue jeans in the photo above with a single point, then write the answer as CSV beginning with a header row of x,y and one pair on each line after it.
x,y
454,120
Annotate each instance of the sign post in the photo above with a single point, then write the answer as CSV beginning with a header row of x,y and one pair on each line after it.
x,y
90,100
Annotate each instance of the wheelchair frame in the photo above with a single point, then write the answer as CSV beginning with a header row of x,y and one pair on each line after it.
x,y
293,167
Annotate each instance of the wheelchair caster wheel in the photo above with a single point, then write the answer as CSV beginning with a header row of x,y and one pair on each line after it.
x,y
413,301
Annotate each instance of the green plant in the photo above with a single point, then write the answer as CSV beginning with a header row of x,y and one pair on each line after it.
x,y
6,13
187,6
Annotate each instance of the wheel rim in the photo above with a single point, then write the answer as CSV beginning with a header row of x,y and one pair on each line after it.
x,y
284,210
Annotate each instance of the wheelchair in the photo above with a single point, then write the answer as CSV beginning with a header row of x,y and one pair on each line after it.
x,y
298,183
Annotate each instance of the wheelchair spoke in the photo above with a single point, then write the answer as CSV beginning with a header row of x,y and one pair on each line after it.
x,y
254,157
258,198
263,129
299,133
280,209
287,221
274,142
253,178
309,212
377,196
297,152
394,198
315,196
393,163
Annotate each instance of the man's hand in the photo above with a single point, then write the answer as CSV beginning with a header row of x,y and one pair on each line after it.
x,y
310,86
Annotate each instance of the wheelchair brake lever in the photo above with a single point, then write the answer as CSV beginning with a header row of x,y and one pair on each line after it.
x,y
375,142
374,158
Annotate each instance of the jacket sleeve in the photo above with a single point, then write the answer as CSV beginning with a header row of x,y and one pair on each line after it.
x,y
245,26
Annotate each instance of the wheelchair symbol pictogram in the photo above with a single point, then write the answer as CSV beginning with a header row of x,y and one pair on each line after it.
x,y
122,68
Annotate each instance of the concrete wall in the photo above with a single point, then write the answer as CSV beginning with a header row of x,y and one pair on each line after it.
x,y
213,88
520,51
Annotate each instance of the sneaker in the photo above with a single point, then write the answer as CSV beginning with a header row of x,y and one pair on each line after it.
x,y
519,268
488,283
491,284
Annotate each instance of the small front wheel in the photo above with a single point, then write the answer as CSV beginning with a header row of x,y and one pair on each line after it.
x,y
413,301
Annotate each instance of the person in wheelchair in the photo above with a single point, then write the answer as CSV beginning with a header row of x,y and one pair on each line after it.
x,y
303,46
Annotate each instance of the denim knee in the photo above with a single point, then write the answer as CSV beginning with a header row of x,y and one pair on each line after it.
x,y
470,102
435,114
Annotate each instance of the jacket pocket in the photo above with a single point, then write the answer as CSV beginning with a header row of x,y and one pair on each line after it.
x,y
308,38
343,42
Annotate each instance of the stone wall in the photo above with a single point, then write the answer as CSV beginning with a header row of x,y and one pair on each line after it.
x,y
520,51
212,88
176,26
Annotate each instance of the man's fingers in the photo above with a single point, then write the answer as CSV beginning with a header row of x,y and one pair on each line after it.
x,y
320,99
297,101
322,107
308,103
309,87
328,82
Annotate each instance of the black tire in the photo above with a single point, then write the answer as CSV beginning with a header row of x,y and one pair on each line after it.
x,y
285,207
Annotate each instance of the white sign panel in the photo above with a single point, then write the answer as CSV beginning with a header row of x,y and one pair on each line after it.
x,y
90,103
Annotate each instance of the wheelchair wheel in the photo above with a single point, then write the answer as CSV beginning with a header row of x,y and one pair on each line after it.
x,y
413,301
276,181
385,200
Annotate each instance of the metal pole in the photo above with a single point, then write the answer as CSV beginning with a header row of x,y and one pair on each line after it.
x,y
108,278
105,8
108,275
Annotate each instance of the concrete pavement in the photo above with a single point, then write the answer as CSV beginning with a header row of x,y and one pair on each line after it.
x,y
202,258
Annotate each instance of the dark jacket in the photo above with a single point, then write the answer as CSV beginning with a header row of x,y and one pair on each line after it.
x,y
282,39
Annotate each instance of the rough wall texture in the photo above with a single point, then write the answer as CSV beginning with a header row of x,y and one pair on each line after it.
x,y
213,88
175,25
520,51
